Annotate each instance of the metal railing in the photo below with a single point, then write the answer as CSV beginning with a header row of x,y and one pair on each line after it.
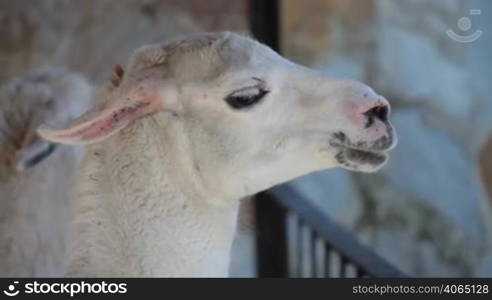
x,y
295,239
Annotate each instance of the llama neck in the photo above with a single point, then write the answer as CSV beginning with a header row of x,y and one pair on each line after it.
x,y
138,213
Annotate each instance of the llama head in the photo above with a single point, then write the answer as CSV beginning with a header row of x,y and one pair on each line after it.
x,y
253,118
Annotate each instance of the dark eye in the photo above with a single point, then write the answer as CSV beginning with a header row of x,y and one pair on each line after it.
x,y
246,97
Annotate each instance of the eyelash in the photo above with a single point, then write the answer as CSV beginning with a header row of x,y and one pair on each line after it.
x,y
241,99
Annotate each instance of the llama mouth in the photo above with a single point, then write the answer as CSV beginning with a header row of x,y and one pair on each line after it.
x,y
355,158
363,157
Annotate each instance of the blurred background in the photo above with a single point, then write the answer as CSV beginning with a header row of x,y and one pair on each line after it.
x,y
428,212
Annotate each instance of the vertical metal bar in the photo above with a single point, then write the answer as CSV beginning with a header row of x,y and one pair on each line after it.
x,y
359,273
265,22
343,266
271,239
327,261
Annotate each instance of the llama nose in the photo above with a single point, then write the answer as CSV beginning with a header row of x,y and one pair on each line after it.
x,y
379,111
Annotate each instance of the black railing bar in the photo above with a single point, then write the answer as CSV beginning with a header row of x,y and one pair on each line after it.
x,y
338,238
359,273
327,260
271,239
343,266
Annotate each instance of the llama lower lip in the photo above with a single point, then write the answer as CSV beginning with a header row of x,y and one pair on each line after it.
x,y
365,157
350,157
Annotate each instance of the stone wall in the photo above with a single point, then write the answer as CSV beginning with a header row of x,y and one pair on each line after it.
x,y
427,211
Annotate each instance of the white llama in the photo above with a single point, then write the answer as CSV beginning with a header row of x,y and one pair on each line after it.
x,y
195,125
34,173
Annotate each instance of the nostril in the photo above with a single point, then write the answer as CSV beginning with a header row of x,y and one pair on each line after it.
x,y
379,112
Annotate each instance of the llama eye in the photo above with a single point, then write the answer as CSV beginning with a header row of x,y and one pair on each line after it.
x,y
246,97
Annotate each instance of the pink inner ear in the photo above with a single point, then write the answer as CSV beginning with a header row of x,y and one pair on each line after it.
x,y
104,123
111,120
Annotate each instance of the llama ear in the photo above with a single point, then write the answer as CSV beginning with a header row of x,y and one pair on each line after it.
x,y
116,76
117,113
103,122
